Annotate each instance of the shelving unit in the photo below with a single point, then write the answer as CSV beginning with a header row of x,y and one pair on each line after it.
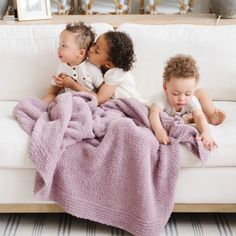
x,y
116,20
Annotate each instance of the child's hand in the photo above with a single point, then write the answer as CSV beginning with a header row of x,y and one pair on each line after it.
x,y
58,81
64,81
207,141
162,136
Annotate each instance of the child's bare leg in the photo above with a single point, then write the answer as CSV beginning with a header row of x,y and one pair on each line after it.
x,y
214,116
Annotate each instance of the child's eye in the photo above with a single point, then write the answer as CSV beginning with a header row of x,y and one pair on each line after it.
x,y
62,45
188,94
175,94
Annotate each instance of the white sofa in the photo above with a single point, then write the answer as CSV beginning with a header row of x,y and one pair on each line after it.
x,y
28,59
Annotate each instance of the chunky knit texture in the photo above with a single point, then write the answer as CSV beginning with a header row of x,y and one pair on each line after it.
x,y
104,163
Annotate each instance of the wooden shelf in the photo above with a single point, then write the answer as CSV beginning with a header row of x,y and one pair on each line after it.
x,y
116,20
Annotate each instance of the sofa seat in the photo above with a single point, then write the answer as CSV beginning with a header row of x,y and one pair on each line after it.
x,y
14,142
16,166
224,135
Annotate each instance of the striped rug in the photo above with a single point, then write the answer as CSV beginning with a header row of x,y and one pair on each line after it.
x,y
67,225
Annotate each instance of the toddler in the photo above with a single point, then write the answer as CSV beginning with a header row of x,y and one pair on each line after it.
x,y
114,53
75,70
180,80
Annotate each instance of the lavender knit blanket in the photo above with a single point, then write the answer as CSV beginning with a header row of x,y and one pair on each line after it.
x,y
104,163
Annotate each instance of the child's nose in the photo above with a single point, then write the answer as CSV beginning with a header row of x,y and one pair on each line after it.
x,y
181,97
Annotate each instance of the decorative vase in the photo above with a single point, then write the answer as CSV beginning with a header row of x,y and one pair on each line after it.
x,y
3,8
224,8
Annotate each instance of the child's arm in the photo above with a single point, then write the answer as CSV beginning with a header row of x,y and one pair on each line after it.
x,y
52,93
105,91
155,121
202,125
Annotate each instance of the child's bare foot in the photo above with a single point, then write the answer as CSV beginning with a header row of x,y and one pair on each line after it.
x,y
217,117
188,118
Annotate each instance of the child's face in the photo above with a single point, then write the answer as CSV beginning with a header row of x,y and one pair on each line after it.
x,y
68,51
99,52
179,91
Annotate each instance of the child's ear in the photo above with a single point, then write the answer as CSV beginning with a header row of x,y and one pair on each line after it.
x,y
164,87
82,52
109,64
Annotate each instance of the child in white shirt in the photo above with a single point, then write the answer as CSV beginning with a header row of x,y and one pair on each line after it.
x,y
180,80
74,68
114,53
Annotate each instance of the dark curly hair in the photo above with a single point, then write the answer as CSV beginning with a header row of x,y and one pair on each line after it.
x,y
180,66
84,36
121,49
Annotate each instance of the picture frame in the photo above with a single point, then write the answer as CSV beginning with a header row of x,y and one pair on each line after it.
x,y
33,9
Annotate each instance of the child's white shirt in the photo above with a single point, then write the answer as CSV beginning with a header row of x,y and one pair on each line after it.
x,y
125,82
85,73
163,103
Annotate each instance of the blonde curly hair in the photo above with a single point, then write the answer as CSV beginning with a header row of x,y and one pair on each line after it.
x,y
180,66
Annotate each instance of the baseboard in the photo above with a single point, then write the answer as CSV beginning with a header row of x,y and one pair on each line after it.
x,y
30,208
223,208
54,208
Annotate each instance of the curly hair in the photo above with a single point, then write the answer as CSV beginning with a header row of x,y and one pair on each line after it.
x,y
84,36
180,66
121,49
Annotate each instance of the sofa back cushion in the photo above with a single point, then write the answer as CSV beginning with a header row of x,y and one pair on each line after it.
x,y
213,47
28,58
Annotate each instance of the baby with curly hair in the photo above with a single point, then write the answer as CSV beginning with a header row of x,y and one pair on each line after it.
x,y
180,80
113,51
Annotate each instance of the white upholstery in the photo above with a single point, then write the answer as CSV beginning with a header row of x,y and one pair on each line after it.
x,y
206,185
213,47
28,60
14,142
225,136
195,185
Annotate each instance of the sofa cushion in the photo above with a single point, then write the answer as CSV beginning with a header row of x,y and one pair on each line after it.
x,y
213,47
14,142
32,49
225,137
194,185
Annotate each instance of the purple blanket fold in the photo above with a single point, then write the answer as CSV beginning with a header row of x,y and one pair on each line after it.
x,y
104,163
